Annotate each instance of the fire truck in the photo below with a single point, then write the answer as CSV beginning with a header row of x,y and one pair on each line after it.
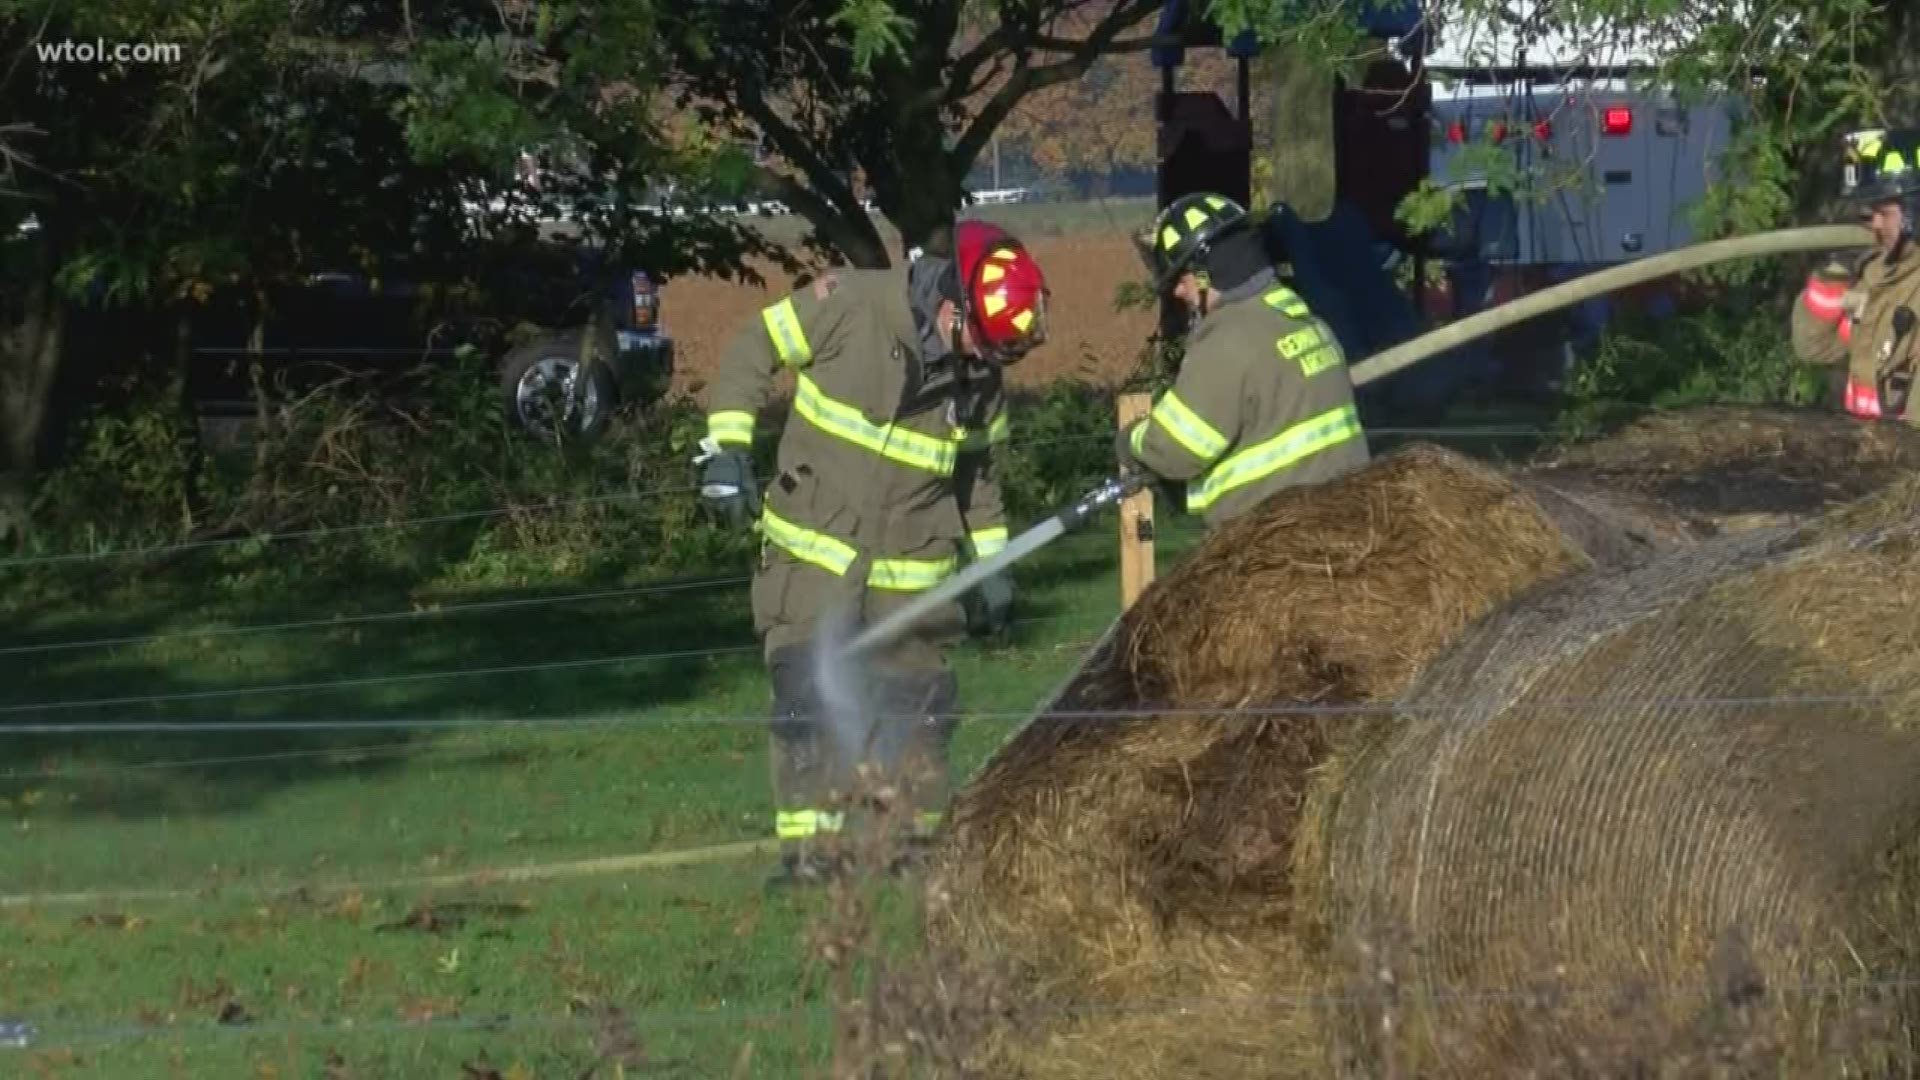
x,y
1598,175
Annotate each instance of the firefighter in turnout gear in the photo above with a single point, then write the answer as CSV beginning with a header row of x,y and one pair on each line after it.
x,y
885,479
1865,314
1263,400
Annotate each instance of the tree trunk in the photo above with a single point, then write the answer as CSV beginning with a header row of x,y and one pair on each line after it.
x,y
193,502
924,210
29,360
262,407
1299,135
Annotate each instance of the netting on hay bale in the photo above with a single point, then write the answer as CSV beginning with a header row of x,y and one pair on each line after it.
x,y
1129,861
1686,474
1604,788
1124,867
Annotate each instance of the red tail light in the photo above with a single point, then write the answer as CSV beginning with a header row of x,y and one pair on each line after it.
x,y
646,302
1543,131
1497,131
1456,132
1616,122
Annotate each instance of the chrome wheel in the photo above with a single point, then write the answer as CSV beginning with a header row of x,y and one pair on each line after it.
x,y
552,396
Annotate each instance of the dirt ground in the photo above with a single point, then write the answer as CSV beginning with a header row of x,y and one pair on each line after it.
x,y
1089,337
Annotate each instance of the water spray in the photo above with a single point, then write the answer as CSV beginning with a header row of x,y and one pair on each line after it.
x,y
844,686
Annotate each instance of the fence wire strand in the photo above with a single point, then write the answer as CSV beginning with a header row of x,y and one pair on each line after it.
x,y
102,1032
1141,713
1465,431
437,611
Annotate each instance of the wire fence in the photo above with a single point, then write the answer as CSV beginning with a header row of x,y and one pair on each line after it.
x,y
99,1033
107,1032
555,505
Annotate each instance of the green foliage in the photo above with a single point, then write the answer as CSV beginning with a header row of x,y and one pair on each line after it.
x,y
878,31
493,507
1062,445
1734,352
134,454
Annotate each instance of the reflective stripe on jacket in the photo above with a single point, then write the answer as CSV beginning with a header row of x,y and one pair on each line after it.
x,y
1263,402
1847,315
856,475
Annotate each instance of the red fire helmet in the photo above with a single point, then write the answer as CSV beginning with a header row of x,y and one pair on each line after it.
x,y
1002,289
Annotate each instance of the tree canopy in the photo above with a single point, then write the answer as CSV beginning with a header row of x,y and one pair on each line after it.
x,y
906,95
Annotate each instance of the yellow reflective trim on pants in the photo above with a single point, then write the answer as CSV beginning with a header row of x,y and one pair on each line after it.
x,y
815,548
910,575
731,426
1288,303
801,824
1263,459
789,340
1188,429
988,542
895,443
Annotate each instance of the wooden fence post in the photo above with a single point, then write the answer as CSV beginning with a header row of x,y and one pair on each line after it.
x,y
1136,518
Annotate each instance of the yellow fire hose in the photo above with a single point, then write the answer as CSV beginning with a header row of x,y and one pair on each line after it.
x,y
1782,241
1817,238
1408,353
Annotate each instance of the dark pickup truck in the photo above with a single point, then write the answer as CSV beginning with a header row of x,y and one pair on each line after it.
x,y
347,324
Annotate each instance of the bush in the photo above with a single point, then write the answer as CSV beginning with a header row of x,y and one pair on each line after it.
x,y
133,453
443,490
1735,352
1062,445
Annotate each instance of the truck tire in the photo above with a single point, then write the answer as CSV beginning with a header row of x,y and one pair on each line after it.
x,y
535,379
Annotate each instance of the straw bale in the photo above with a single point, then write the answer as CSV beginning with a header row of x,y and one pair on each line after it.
x,y
1626,778
1125,861
1690,473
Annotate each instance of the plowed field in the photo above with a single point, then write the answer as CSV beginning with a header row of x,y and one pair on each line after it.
x,y
1086,257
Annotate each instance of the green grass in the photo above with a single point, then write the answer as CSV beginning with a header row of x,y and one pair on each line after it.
x,y
284,846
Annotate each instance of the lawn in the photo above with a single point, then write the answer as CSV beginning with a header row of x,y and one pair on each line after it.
x,y
264,895
397,822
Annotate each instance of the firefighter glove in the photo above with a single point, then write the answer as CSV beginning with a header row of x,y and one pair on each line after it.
x,y
727,484
989,604
1824,296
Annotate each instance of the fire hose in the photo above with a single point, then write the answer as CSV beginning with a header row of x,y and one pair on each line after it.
x,y
1380,365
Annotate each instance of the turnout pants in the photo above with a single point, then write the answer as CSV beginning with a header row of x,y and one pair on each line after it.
x,y
905,694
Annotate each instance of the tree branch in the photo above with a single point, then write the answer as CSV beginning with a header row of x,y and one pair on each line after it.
x,y
795,148
1025,80
850,234
1048,43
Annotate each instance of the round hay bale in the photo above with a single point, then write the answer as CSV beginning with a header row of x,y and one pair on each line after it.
x,y
1126,861
1686,474
1686,795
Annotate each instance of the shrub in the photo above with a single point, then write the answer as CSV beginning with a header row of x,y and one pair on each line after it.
x,y
1736,351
